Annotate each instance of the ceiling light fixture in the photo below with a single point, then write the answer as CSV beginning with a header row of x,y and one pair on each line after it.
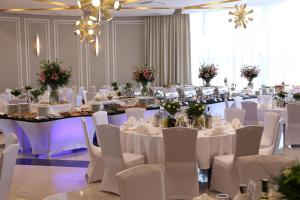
x,y
38,45
240,16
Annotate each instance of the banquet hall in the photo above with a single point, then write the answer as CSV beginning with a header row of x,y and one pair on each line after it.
x,y
149,100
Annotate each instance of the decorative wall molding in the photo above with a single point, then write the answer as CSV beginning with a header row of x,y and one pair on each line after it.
x,y
114,33
19,46
27,21
56,49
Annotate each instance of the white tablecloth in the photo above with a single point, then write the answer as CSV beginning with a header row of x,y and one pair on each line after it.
x,y
151,146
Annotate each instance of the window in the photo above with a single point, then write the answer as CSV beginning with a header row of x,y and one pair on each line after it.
x,y
271,41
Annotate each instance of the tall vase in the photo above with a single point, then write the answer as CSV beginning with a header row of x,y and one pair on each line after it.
x,y
250,83
54,96
144,91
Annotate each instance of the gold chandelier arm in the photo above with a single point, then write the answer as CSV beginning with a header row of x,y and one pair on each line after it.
x,y
106,13
53,3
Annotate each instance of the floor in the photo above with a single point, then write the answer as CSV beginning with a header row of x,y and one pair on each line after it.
x,y
35,178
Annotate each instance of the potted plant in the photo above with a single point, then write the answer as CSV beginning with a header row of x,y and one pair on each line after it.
x,y
207,72
296,96
115,87
250,72
36,93
172,108
281,99
54,76
144,74
289,182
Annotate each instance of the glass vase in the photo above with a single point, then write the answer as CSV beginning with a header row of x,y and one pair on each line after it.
x,y
54,96
250,84
144,91
207,82
171,121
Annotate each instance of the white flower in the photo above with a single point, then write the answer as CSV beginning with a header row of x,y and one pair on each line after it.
x,y
286,172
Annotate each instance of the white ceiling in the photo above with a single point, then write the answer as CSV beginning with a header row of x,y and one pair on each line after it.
x,y
9,4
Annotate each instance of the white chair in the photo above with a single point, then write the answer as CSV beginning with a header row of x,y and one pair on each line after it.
x,y
144,182
7,166
93,89
235,113
59,196
114,160
10,138
180,167
265,99
270,133
237,102
251,112
226,103
137,113
96,165
292,135
260,166
100,117
88,96
225,176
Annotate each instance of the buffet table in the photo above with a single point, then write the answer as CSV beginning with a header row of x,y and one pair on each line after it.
x,y
151,145
54,135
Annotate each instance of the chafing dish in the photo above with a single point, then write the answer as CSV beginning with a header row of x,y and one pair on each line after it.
x,y
170,93
221,92
187,93
157,92
206,94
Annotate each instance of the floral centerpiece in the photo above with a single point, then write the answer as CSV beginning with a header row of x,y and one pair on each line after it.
x,y
207,72
172,108
250,72
144,74
194,112
289,182
54,76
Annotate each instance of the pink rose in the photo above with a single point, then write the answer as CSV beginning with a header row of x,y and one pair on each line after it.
x,y
42,77
55,76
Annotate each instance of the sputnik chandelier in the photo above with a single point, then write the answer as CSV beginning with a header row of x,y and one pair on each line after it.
x,y
240,16
88,26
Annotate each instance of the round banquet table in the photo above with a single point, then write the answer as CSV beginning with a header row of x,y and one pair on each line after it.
x,y
151,145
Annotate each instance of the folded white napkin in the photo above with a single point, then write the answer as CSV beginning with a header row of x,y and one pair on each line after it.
x,y
236,123
131,121
204,197
142,128
242,197
217,131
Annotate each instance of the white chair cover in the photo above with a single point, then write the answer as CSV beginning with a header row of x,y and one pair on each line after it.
x,y
60,196
93,89
7,166
96,166
144,182
251,112
265,99
270,133
79,99
237,102
260,166
292,135
114,160
226,103
225,177
235,113
88,96
10,138
137,113
100,117
180,168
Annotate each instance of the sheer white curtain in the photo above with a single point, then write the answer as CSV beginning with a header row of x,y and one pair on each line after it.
x,y
271,41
